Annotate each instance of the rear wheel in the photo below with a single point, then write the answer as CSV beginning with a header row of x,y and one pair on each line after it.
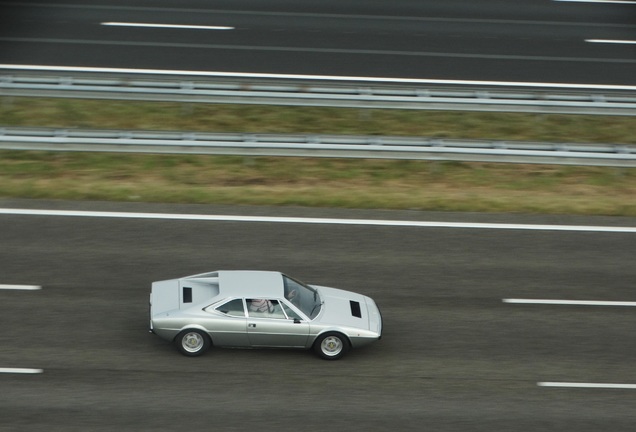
x,y
331,346
192,342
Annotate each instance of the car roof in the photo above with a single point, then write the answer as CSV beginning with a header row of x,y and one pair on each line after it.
x,y
246,283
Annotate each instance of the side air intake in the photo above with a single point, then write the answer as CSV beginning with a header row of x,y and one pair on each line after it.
x,y
355,309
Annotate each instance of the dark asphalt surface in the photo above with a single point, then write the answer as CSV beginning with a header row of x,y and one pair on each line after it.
x,y
453,356
529,40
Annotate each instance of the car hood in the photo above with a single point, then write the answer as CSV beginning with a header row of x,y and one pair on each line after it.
x,y
346,308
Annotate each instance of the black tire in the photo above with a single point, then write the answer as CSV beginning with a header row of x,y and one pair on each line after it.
x,y
192,342
331,345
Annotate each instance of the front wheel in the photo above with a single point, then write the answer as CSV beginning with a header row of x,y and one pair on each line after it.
x,y
192,342
331,346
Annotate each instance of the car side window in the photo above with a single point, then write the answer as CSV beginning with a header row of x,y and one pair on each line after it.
x,y
265,308
232,308
290,312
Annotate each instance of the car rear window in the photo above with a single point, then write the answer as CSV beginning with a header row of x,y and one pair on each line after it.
x,y
232,308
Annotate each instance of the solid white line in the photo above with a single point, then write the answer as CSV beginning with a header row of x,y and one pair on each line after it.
x,y
587,385
303,220
21,287
173,26
569,302
314,77
612,41
21,371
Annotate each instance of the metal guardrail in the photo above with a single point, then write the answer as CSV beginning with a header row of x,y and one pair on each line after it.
x,y
337,146
324,94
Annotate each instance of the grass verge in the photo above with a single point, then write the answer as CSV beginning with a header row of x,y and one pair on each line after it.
x,y
423,185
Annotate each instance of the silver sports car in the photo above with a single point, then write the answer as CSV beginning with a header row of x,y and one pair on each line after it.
x,y
253,309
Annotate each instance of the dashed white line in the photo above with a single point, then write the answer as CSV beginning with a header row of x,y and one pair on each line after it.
x,y
328,221
569,302
21,371
587,385
170,26
612,41
20,287
562,384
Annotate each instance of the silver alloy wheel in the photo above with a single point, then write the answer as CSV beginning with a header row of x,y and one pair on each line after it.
x,y
192,342
331,346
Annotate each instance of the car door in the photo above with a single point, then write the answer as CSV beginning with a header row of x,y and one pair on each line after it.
x,y
227,324
268,325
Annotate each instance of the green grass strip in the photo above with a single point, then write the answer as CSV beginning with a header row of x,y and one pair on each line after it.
x,y
443,186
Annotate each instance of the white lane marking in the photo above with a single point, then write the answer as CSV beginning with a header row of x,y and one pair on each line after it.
x,y
172,26
314,77
20,287
21,371
612,41
570,302
598,1
587,385
304,220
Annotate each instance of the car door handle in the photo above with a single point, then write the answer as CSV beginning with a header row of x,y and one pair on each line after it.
x,y
252,325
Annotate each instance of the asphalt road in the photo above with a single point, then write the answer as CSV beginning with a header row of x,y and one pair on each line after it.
x,y
454,357
500,40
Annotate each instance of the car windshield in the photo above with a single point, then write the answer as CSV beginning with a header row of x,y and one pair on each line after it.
x,y
302,296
